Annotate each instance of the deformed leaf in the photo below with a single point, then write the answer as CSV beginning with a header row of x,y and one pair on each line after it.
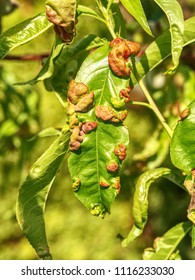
x,y
182,149
160,49
33,195
165,246
174,14
97,156
140,199
23,33
136,10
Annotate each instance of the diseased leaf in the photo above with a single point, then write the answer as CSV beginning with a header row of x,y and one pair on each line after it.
x,y
23,33
94,164
182,149
165,246
160,49
63,15
136,10
140,199
174,14
33,195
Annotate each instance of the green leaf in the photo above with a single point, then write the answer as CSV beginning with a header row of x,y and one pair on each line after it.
x,y
160,49
165,246
182,149
86,11
88,165
63,62
140,200
33,195
23,33
136,10
174,13
193,236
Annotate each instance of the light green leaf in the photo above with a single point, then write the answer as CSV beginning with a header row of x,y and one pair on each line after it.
x,y
193,236
140,199
136,10
182,149
33,195
174,14
88,165
160,49
165,246
23,33
86,11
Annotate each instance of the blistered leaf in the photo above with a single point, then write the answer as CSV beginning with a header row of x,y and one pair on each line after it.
x,y
140,200
165,246
96,155
33,195
136,10
174,14
160,49
23,33
182,149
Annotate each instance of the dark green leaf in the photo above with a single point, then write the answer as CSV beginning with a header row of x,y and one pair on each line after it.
x,y
23,33
165,246
182,148
140,200
89,164
136,10
160,49
174,14
33,195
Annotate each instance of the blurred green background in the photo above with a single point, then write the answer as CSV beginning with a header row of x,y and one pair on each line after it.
x,y
73,233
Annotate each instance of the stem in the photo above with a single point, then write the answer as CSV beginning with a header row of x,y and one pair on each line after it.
x,y
155,109
107,17
141,104
150,100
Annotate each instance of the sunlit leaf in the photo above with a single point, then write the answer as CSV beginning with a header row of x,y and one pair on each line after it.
x,y
140,199
136,10
160,49
182,148
23,33
33,195
165,246
88,165
174,14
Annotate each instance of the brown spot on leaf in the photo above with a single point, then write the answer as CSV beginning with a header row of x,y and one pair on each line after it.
x,y
116,185
119,55
104,112
120,151
88,126
124,93
76,91
104,184
85,103
183,115
112,166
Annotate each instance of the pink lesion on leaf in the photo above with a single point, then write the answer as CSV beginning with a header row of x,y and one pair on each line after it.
x,y
116,185
120,151
88,126
124,93
112,166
